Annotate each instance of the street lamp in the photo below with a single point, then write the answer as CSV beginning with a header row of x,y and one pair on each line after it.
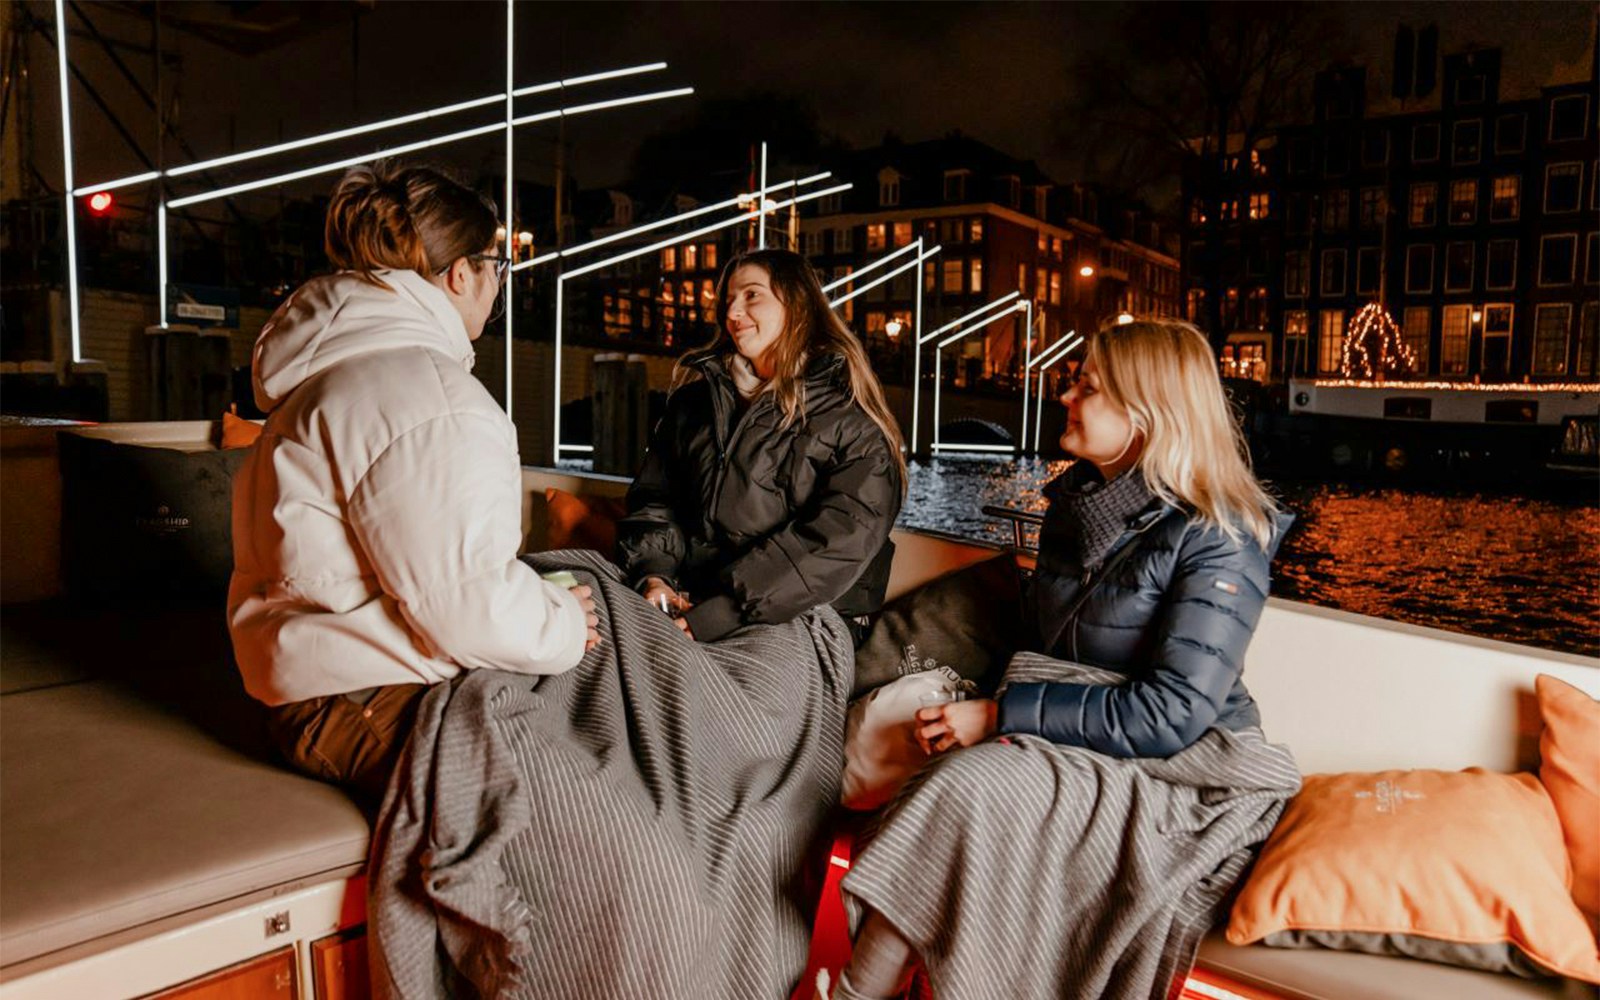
x,y
1086,271
1124,318
892,328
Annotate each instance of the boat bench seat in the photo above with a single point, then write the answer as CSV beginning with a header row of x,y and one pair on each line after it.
x,y
136,783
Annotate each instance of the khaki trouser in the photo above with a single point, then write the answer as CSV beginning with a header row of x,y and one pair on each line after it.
x,y
350,739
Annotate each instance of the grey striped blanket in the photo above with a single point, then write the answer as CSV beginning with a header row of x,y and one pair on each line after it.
x,y
641,826
1023,869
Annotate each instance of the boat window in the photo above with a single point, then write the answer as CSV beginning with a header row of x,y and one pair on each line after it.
x,y
1408,407
1511,411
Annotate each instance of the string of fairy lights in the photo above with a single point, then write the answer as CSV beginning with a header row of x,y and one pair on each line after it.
x,y
1373,346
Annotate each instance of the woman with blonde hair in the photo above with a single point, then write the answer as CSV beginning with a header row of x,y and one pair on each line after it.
x,y
1099,808
775,475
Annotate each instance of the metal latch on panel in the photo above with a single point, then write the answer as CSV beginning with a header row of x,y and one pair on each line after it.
x,y
278,923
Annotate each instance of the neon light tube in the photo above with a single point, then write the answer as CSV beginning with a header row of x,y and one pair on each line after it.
x,y
344,133
997,303
979,325
120,182
875,282
853,275
161,262
509,291
573,81
399,150
66,186
1056,351
647,227
996,448
617,102
681,237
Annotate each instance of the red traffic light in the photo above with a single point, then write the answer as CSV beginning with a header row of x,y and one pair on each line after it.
x,y
100,203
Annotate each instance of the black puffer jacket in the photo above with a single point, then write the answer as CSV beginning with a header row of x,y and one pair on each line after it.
x,y
1176,616
759,522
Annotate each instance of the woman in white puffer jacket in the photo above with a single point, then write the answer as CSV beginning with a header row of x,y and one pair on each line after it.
x,y
377,520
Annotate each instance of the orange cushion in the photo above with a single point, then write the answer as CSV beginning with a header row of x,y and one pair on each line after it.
x,y
237,432
1569,766
576,522
1378,860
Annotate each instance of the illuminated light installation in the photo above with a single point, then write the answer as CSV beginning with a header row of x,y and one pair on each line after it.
x,y
66,187
1388,356
377,126
893,327
916,357
1048,358
510,289
163,205
1025,306
743,217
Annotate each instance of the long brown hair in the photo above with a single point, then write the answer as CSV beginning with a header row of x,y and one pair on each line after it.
x,y
390,216
810,329
1163,372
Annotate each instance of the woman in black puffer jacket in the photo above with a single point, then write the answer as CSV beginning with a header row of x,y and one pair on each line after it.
x,y
773,480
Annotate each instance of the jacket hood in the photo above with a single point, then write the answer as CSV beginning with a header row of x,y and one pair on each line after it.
x,y
332,319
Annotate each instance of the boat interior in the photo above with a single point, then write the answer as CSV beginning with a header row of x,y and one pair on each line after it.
x,y
152,845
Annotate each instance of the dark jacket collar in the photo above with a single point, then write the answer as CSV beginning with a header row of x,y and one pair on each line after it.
x,y
827,368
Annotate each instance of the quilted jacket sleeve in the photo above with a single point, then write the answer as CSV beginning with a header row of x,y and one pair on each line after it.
x,y
1211,608
439,516
816,557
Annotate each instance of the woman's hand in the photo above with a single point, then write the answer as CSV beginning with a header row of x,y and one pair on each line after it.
x,y
585,598
956,723
657,589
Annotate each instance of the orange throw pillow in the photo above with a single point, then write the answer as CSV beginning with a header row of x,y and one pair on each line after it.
x,y
1465,867
1569,766
237,432
576,522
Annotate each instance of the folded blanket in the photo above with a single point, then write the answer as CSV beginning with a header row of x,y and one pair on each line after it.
x,y
641,826
1022,869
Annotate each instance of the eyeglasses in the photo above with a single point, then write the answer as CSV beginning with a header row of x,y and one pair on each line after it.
x,y
502,264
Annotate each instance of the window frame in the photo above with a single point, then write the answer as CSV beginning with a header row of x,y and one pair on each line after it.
x,y
1577,203
1494,198
1432,204
1409,337
1364,254
1583,117
1462,310
1539,311
1488,265
1322,272
1411,287
1417,131
1330,351
1455,142
1545,241
1522,140
1472,219
1472,264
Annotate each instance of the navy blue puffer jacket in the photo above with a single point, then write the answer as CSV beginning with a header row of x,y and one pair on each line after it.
x,y
1176,616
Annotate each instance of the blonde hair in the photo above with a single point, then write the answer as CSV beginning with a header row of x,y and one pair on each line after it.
x,y
810,329
1162,371
389,216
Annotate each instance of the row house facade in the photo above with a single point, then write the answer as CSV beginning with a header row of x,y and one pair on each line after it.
x,y
1474,224
1001,226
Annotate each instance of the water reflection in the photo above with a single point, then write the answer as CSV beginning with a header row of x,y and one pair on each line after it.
x,y
1515,568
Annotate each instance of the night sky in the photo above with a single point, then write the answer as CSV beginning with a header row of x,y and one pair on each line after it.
x,y
1000,72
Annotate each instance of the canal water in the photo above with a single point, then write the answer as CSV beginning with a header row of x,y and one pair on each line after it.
x,y
1518,568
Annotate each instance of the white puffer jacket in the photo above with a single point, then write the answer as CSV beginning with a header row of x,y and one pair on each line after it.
x,y
377,520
